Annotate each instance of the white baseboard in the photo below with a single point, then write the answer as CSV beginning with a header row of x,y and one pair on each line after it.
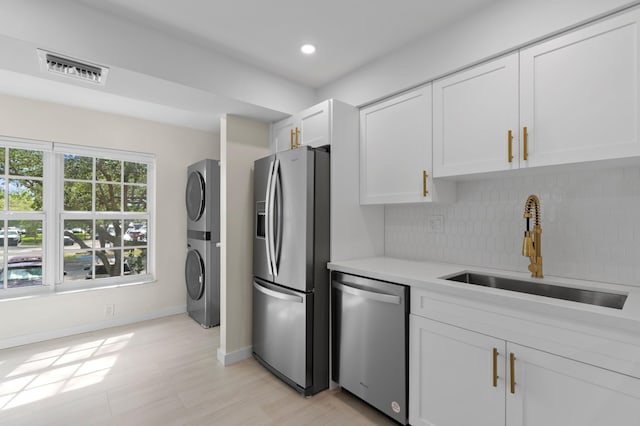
x,y
84,328
235,356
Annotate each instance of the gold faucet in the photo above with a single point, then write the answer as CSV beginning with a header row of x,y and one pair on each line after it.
x,y
532,247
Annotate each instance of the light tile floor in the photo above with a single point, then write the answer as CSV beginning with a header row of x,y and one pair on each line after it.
x,y
160,372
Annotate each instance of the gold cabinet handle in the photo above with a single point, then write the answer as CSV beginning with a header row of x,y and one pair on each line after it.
x,y
510,139
525,136
291,140
424,183
512,370
297,138
495,367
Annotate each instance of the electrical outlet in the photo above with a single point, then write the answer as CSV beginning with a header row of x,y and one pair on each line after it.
x,y
109,310
435,223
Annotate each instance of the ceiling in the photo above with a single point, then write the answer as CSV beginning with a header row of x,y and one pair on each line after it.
x,y
244,53
268,34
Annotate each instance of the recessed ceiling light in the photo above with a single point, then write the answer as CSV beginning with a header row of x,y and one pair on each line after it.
x,y
307,49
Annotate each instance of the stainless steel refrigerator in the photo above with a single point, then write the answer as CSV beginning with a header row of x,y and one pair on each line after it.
x,y
291,280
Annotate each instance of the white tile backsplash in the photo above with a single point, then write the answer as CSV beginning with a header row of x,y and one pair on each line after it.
x,y
590,225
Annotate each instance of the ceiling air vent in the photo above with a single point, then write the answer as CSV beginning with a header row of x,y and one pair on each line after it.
x,y
72,68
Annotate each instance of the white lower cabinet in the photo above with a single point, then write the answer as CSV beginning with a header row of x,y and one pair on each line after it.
x,y
459,377
554,391
450,376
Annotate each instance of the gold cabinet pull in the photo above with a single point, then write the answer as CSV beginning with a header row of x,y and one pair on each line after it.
x,y
525,137
297,138
424,183
495,367
510,138
291,140
512,370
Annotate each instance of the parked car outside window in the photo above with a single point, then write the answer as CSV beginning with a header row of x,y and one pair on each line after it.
x,y
23,271
136,232
101,270
12,236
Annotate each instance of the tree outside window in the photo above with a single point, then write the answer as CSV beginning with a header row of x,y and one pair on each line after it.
x,y
108,234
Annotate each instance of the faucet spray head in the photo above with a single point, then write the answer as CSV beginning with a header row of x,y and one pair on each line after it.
x,y
527,245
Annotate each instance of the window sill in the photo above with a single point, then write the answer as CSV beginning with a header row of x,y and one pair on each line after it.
x,y
63,289
70,288
25,293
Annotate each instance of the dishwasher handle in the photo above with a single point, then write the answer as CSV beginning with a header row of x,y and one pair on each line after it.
x,y
372,295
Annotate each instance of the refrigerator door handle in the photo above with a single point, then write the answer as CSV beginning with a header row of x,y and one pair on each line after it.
x,y
278,227
380,297
277,294
271,236
267,220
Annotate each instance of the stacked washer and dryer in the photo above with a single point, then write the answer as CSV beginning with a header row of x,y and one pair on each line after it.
x,y
202,267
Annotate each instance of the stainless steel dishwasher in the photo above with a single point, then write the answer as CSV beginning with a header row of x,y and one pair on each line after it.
x,y
370,340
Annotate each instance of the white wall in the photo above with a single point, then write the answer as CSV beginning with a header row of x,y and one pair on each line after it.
x,y
498,28
590,225
242,142
175,148
356,231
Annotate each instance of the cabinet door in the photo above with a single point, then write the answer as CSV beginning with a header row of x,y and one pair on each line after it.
x,y
281,138
315,125
451,376
395,148
554,391
473,112
579,93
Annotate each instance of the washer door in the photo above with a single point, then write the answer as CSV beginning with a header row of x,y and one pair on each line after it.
x,y
194,275
195,196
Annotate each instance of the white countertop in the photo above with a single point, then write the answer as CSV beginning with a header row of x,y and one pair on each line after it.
x,y
623,324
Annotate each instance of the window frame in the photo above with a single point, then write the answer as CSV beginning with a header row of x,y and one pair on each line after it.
x,y
59,150
44,215
53,216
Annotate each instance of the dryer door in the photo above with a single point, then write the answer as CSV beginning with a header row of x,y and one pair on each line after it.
x,y
194,197
194,275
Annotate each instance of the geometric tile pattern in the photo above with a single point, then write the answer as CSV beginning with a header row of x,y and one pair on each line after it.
x,y
590,224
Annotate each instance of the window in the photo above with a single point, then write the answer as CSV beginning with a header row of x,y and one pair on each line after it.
x,y
73,217
105,215
22,186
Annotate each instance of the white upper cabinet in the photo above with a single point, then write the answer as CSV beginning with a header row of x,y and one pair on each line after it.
x,y
282,134
310,127
579,93
315,125
474,112
396,151
571,99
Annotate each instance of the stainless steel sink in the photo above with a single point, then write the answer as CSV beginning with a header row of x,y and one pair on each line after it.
x,y
592,297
